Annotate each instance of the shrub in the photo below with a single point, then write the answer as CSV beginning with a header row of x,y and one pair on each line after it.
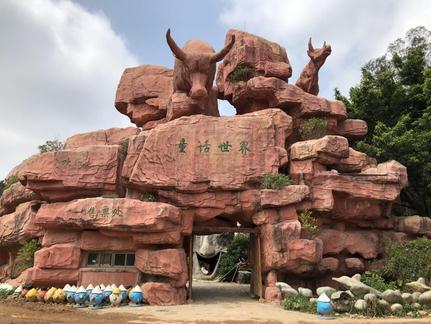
x,y
25,256
51,146
241,72
124,146
313,128
5,293
408,261
299,303
9,182
308,222
376,281
276,181
237,250
146,196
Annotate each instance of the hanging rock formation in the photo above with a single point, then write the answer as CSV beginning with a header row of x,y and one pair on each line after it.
x,y
128,197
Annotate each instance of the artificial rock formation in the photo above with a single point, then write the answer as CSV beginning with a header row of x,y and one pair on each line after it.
x,y
140,191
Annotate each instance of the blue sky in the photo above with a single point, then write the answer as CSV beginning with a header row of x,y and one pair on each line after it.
x,y
61,60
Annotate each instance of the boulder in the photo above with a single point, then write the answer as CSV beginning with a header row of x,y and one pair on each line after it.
x,y
134,148
360,305
325,290
13,196
286,196
59,256
111,136
417,225
355,162
53,236
273,295
119,214
355,285
328,264
425,299
365,243
20,225
201,153
169,263
370,297
63,175
415,296
307,293
392,296
396,308
352,128
326,150
143,93
354,264
54,277
157,293
407,298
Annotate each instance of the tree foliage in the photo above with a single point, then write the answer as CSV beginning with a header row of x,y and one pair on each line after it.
x,y
51,146
394,98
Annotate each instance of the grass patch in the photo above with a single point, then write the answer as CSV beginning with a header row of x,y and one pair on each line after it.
x,y
124,146
313,128
241,72
276,181
299,303
25,256
308,222
376,281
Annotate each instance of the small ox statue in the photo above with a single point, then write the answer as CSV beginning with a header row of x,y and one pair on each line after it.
x,y
194,71
309,79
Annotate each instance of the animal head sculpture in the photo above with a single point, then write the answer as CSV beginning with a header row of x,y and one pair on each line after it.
x,y
318,56
195,66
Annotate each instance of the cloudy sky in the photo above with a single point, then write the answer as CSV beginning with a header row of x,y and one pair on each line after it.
x,y
60,61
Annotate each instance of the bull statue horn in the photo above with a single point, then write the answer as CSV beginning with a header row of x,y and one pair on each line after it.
x,y
310,46
220,55
178,52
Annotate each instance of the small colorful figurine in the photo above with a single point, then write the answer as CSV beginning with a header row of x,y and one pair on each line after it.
x,y
96,297
136,296
115,298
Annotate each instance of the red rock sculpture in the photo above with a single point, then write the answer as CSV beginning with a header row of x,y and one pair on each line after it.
x,y
134,193
309,78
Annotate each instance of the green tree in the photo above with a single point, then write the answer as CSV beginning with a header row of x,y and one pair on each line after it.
x,y
50,146
394,98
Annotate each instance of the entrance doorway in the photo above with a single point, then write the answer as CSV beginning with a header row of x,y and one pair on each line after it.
x,y
254,256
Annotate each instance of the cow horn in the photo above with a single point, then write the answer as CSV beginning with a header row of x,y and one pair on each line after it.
x,y
178,52
310,46
220,55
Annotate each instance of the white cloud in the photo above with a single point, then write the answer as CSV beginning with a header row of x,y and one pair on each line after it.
x,y
59,69
357,30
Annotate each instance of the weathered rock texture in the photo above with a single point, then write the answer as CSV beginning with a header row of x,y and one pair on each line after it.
x,y
127,191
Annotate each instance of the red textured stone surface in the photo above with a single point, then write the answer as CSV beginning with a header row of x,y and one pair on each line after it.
x,y
156,293
169,263
328,264
13,196
53,236
97,277
68,174
354,264
326,150
110,213
163,159
20,225
352,128
283,197
59,256
111,136
54,277
95,241
143,93
364,243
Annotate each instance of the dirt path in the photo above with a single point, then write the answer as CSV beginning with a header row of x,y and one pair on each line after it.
x,y
213,303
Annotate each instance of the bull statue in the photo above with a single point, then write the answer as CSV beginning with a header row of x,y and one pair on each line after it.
x,y
309,79
194,71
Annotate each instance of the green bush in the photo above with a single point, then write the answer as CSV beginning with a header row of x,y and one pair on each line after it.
x,y
124,146
313,128
308,222
9,182
376,281
146,196
241,72
5,293
51,146
408,261
237,250
299,303
25,256
276,181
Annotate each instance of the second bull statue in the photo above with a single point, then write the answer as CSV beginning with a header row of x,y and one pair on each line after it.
x,y
194,71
